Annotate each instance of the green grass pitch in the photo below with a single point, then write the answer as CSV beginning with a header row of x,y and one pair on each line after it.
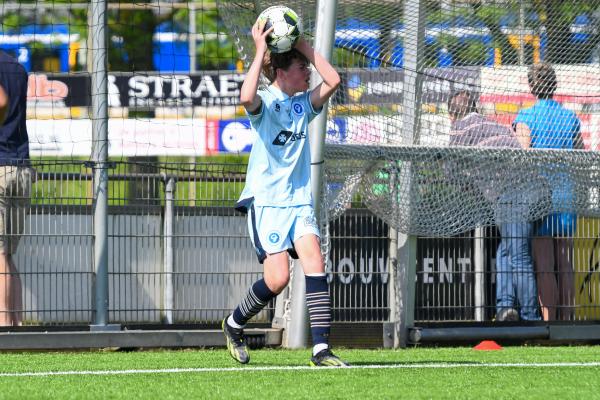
x,y
515,372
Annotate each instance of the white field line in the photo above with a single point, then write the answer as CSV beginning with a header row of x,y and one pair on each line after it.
x,y
303,368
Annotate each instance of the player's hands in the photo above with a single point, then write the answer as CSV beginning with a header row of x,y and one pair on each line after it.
x,y
301,44
260,35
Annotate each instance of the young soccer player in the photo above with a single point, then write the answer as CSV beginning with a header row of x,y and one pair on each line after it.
x,y
277,195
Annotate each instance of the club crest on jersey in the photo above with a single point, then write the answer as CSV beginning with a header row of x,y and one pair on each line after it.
x,y
284,136
277,107
298,109
274,237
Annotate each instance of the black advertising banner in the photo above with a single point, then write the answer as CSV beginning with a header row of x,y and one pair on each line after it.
x,y
490,248
357,267
59,90
140,90
358,272
222,88
387,86
203,89
445,279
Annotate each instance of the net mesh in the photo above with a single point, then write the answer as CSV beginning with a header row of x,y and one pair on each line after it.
x,y
171,72
420,176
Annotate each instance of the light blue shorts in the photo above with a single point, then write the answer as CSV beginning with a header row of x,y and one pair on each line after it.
x,y
275,229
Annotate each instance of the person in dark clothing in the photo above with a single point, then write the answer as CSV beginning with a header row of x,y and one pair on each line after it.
x,y
15,184
516,292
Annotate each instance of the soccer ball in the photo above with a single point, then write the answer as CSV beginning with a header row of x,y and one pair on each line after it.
x,y
287,28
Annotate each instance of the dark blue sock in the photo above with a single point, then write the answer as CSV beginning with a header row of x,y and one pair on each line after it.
x,y
319,308
258,297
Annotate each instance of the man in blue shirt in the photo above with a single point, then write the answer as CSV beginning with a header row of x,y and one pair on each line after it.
x,y
277,195
15,185
548,125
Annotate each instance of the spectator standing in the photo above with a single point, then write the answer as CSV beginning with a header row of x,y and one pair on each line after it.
x,y
516,292
15,185
549,125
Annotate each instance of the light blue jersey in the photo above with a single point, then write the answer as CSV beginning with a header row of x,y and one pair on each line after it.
x,y
279,167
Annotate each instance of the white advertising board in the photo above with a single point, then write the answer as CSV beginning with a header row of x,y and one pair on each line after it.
x,y
576,83
127,137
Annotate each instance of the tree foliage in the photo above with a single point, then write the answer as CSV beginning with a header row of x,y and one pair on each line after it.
x,y
557,16
130,31
131,35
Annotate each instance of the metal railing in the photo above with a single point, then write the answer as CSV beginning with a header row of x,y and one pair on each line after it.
x,y
179,254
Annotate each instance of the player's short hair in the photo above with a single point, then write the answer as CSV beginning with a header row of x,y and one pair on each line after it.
x,y
274,61
461,103
542,80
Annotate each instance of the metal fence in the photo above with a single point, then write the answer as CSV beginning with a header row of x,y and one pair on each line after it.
x,y
456,277
169,262
179,254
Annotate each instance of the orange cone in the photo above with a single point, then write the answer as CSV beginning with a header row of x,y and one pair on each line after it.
x,y
488,345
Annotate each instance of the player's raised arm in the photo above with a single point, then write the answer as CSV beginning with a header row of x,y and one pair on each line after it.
x,y
248,97
331,79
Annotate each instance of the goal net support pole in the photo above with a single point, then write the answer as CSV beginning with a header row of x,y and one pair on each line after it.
x,y
100,157
297,333
403,295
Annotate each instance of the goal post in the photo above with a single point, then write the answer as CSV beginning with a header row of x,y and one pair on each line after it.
x,y
403,298
324,37
99,77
